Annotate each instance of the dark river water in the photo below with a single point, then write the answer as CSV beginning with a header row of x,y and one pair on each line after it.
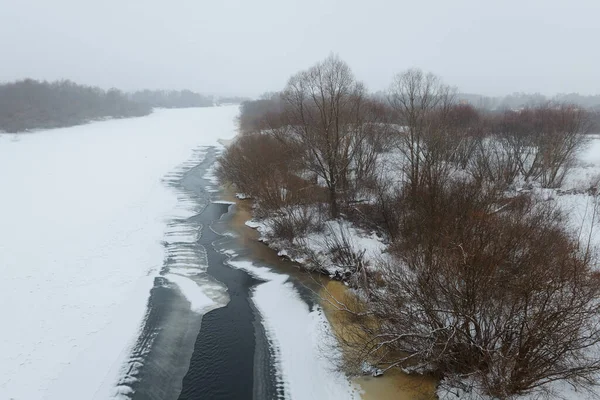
x,y
223,354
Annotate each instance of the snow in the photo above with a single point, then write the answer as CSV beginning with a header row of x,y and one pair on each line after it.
x,y
574,199
199,301
305,349
359,240
312,247
254,224
587,168
83,213
223,202
591,154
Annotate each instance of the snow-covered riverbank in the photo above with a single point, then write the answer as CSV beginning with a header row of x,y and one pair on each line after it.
x,y
83,212
304,347
576,199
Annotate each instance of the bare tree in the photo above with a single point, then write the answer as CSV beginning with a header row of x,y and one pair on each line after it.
x,y
466,127
255,115
325,109
374,140
544,140
31,104
422,104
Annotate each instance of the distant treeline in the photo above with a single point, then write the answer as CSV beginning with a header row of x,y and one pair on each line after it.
x,y
520,100
497,104
171,98
231,100
31,104
517,101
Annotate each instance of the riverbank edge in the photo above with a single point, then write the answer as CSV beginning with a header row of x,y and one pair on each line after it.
x,y
394,385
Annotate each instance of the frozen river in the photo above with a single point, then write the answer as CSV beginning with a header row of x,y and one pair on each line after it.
x,y
84,215
122,278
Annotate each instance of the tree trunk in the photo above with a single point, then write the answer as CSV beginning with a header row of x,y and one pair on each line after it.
x,y
333,203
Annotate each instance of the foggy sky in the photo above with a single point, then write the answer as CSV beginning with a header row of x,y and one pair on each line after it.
x,y
247,47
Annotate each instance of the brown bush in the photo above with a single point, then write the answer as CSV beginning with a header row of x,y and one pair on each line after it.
x,y
465,127
291,222
484,288
254,114
493,162
261,167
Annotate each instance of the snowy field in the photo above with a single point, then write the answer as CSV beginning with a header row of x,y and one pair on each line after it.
x,y
83,212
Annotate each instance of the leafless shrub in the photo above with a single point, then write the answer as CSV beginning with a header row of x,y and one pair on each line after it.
x,y
483,288
544,140
344,253
254,115
291,222
465,127
326,112
491,162
264,168
388,209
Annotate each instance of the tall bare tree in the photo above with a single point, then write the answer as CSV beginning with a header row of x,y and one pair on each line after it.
x,y
422,104
325,111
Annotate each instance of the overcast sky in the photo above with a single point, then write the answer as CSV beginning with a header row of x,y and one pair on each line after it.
x,y
247,47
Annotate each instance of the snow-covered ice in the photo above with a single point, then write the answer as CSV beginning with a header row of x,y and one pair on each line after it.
x,y
82,215
305,347
199,301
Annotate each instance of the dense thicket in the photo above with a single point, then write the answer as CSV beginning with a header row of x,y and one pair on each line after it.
x,y
31,104
483,290
255,114
171,98
484,284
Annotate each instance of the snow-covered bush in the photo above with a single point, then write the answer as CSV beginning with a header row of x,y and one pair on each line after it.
x,y
291,222
347,258
487,288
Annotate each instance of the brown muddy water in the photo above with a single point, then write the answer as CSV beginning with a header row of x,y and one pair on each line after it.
x,y
394,385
